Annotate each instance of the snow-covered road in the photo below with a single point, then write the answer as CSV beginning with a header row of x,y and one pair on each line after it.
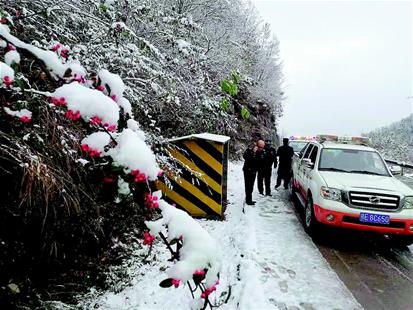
x,y
281,268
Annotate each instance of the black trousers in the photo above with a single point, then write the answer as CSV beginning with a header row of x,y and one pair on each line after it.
x,y
249,180
283,176
264,177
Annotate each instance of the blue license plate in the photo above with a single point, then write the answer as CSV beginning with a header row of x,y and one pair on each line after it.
x,y
375,218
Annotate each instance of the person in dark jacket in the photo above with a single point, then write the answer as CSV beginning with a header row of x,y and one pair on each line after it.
x,y
285,154
250,168
265,165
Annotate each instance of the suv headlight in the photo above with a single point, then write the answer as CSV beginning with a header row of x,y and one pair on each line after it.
x,y
330,193
408,202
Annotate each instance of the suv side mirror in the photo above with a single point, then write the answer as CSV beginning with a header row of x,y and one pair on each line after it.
x,y
307,162
396,170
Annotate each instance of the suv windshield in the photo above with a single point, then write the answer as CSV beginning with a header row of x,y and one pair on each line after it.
x,y
298,145
352,161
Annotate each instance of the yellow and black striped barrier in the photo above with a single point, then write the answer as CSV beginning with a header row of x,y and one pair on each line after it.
x,y
203,194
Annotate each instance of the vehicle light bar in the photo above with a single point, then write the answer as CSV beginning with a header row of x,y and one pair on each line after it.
x,y
308,138
323,138
355,140
344,139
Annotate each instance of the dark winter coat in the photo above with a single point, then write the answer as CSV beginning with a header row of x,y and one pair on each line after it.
x,y
270,157
250,161
285,154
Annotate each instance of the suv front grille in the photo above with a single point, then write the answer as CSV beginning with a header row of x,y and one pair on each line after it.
x,y
374,201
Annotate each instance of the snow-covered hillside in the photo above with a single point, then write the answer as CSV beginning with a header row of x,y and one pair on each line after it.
x,y
172,54
396,140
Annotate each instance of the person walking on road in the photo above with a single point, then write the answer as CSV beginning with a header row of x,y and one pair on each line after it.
x,y
285,154
265,168
250,169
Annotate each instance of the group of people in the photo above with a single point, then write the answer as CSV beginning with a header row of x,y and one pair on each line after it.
x,y
260,159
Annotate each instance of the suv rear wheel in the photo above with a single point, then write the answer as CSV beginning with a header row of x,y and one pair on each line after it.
x,y
291,189
310,222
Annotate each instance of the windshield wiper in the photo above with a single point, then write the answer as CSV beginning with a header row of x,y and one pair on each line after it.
x,y
366,172
333,169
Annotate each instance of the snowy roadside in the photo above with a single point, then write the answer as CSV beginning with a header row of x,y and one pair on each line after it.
x,y
268,263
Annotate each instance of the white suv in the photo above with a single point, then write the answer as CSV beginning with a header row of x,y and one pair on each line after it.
x,y
350,186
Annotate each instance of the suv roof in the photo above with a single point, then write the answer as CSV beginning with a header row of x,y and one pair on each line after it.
x,y
334,145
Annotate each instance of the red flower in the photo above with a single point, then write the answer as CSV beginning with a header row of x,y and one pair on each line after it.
x,y
7,81
209,290
108,180
94,153
74,116
199,273
85,148
58,102
148,238
114,98
56,47
112,128
140,178
95,120
25,119
79,78
10,47
151,201
100,87
160,173
64,53
175,282
134,172
19,13
3,20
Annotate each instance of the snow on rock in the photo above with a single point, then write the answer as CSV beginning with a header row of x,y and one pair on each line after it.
x,y
114,82
12,57
199,250
97,141
90,103
24,115
134,154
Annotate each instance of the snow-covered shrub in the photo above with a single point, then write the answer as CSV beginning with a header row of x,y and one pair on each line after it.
x,y
116,151
395,141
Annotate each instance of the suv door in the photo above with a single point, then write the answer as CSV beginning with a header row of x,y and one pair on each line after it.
x,y
307,171
301,167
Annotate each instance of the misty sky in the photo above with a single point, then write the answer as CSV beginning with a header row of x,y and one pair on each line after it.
x,y
347,64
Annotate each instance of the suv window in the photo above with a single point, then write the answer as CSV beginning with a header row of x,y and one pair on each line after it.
x,y
308,151
314,153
